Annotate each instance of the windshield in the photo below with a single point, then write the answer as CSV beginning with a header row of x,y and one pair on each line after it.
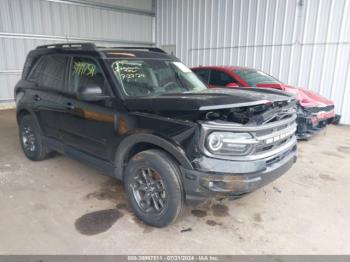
x,y
254,77
149,77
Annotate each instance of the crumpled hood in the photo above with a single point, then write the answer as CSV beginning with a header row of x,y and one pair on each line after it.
x,y
210,99
308,98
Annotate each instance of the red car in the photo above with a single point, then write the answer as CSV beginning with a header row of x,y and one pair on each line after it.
x,y
314,111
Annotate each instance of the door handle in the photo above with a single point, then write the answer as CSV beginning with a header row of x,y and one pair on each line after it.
x,y
70,106
36,98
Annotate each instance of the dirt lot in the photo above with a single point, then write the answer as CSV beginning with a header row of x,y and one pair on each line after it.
x,y
60,206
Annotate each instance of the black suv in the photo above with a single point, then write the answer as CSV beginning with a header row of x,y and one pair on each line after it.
x,y
142,116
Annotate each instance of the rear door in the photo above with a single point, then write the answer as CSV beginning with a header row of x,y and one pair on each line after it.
x,y
87,126
49,76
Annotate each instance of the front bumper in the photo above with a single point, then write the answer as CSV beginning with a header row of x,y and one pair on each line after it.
x,y
309,124
234,178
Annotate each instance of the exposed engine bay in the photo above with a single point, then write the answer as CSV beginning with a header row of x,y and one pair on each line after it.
x,y
254,115
245,107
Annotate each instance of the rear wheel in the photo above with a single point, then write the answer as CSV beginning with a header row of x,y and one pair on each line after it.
x,y
32,143
152,182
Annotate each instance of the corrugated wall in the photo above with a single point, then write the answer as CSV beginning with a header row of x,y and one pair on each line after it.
x,y
25,24
302,42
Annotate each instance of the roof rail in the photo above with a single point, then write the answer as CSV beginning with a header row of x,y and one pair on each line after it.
x,y
82,46
152,49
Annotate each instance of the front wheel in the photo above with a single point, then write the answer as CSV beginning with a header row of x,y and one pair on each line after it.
x,y
153,185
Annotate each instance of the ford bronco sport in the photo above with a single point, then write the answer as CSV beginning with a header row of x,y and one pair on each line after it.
x,y
140,115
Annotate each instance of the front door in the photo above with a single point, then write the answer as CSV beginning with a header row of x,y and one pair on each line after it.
x,y
85,125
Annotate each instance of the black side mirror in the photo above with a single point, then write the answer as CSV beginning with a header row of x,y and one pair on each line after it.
x,y
91,93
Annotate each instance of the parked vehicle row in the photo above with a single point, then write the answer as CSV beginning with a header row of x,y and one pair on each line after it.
x,y
140,115
314,111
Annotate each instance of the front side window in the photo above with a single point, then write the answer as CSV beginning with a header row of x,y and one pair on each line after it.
x,y
253,77
219,78
149,77
85,72
50,72
203,74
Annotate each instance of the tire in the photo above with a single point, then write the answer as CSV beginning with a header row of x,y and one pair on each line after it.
x,y
36,149
167,187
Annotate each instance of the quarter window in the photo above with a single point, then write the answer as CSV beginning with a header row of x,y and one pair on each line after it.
x,y
35,73
85,71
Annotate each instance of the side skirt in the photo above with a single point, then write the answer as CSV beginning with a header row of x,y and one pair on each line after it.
x,y
99,164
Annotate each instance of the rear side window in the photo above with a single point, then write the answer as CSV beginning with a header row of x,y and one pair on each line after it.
x,y
50,72
203,75
219,78
84,72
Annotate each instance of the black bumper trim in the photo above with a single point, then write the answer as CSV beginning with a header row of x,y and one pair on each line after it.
x,y
199,184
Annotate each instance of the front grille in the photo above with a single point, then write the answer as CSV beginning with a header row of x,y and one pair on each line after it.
x,y
272,138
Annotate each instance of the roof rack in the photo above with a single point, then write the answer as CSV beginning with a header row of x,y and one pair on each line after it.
x,y
93,47
83,46
152,49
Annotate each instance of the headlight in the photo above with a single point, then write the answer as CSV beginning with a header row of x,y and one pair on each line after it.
x,y
229,143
